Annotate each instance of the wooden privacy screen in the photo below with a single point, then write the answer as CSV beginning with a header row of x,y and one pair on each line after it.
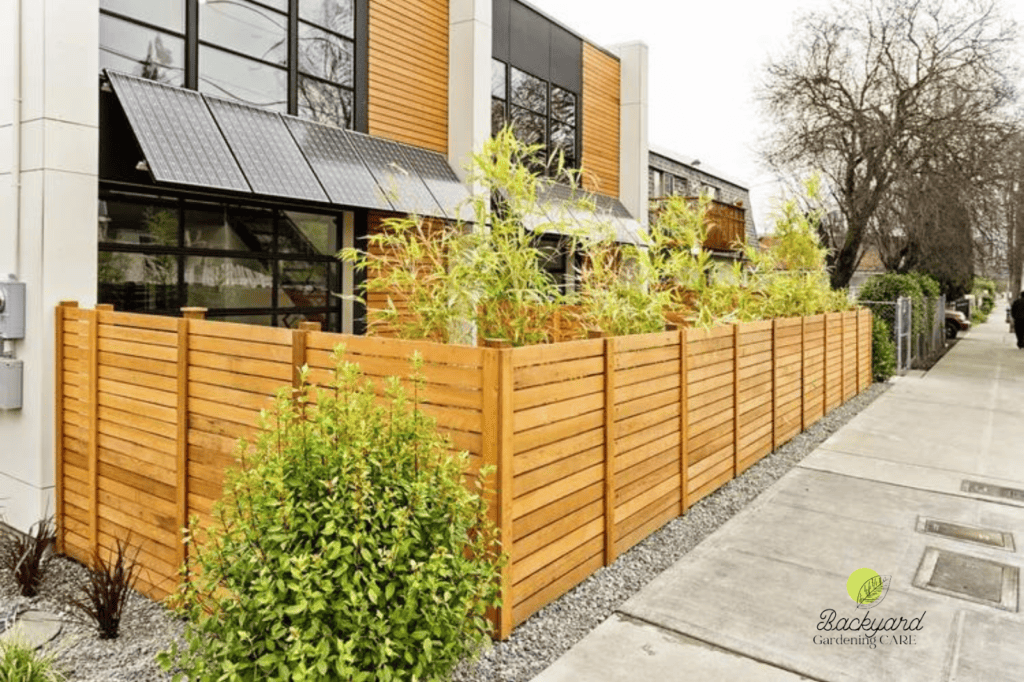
x,y
596,443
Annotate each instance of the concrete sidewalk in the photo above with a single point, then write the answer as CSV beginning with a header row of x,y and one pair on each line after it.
x,y
928,455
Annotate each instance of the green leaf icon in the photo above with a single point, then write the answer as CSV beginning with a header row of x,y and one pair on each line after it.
x,y
872,591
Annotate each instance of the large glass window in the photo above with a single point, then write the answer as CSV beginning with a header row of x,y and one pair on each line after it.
x,y
250,263
141,51
242,50
539,112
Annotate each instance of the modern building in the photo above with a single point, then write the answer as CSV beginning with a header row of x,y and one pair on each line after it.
x,y
225,149
671,173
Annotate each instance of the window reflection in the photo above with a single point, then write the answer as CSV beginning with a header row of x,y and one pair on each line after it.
x,y
529,92
141,51
304,284
334,15
169,14
221,282
324,55
308,233
245,80
245,27
325,103
540,114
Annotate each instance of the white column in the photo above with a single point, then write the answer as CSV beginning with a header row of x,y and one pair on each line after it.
x,y
469,80
633,129
49,90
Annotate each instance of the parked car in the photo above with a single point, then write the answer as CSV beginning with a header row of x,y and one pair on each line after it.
x,y
956,322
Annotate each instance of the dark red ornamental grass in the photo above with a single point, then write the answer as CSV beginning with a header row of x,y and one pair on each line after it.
x,y
27,556
103,597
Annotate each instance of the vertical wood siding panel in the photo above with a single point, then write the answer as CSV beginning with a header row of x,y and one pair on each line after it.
x,y
601,101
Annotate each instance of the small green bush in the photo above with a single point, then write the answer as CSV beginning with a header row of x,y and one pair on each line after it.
x,y
883,350
346,547
20,663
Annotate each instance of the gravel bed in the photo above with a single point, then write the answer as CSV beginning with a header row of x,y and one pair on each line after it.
x,y
553,630
148,627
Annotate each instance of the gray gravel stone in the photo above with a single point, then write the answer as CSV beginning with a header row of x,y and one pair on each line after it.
x,y
148,628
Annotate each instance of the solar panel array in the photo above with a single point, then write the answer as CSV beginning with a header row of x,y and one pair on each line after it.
x,y
193,139
178,136
341,171
268,155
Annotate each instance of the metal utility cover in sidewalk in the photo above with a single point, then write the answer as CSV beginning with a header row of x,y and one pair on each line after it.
x,y
967,577
986,537
979,488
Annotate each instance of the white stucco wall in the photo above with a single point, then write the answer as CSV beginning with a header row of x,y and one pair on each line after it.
x,y
49,52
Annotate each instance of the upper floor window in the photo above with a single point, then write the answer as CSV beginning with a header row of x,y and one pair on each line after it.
x,y
241,50
539,112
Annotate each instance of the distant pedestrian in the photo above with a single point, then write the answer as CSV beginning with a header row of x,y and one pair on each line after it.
x,y
1017,313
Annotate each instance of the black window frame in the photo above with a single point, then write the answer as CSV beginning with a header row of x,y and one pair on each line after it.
x,y
357,91
180,202
549,116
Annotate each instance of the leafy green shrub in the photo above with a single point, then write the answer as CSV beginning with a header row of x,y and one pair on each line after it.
x,y
883,350
21,663
347,546
891,286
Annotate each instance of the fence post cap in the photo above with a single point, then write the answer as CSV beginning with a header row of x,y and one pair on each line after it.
x,y
309,326
595,334
497,343
194,313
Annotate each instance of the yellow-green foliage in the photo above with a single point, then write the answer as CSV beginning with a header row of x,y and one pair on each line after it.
x,y
489,274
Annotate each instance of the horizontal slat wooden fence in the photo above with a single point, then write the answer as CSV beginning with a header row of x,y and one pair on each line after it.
x,y
596,443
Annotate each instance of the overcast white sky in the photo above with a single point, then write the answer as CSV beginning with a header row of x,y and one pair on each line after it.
x,y
705,61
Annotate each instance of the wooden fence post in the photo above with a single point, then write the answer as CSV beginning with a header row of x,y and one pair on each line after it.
x,y
684,425
775,381
860,372
58,414
94,457
803,374
842,358
735,400
182,454
497,451
609,450
181,494
824,368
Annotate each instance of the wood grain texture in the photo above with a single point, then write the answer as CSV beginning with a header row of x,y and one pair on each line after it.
x,y
601,114
408,72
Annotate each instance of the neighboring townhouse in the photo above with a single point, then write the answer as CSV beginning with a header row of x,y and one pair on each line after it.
x,y
226,149
730,214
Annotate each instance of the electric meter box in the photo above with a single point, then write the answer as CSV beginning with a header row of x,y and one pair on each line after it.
x,y
12,309
10,383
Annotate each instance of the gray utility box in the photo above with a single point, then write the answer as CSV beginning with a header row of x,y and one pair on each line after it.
x,y
10,384
12,309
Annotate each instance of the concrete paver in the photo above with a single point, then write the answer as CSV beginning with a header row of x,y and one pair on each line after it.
x,y
751,601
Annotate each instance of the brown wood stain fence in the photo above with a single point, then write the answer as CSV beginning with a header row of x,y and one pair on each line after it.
x,y
596,443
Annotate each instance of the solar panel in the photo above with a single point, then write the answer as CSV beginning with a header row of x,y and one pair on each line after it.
x,y
266,151
442,182
389,166
341,172
177,134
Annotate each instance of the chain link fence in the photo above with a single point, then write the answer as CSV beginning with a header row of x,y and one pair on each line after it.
x,y
919,338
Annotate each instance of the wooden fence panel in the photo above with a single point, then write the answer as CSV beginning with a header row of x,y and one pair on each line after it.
x,y
788,379
558,463
833,361
754,400
710,376
814,369
850,341
646,429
